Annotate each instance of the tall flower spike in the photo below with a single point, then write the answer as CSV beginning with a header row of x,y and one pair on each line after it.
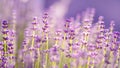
x,y
112,24
77,44
5,42
45,17
45,36
34,28
5,34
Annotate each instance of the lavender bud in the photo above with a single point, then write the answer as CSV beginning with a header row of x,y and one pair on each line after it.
x,y
65,66
5,22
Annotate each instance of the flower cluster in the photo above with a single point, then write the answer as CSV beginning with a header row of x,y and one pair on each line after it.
x,y
77,44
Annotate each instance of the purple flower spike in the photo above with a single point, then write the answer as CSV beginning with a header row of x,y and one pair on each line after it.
x,y
45,15
5,32
68,20
34,21
5,26
5,38
65,66
56,42
5,22
112,23
101,18
38,39
10,44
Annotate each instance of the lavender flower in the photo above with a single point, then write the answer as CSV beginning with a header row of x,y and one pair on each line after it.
x,y
78,43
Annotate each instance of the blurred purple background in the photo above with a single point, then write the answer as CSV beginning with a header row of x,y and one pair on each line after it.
x,y
26,9
110,9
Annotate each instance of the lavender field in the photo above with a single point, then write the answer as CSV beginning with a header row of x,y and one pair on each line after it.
x,y
48,34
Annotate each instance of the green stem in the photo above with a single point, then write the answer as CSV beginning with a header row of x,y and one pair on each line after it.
x,y
46,57
88,62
